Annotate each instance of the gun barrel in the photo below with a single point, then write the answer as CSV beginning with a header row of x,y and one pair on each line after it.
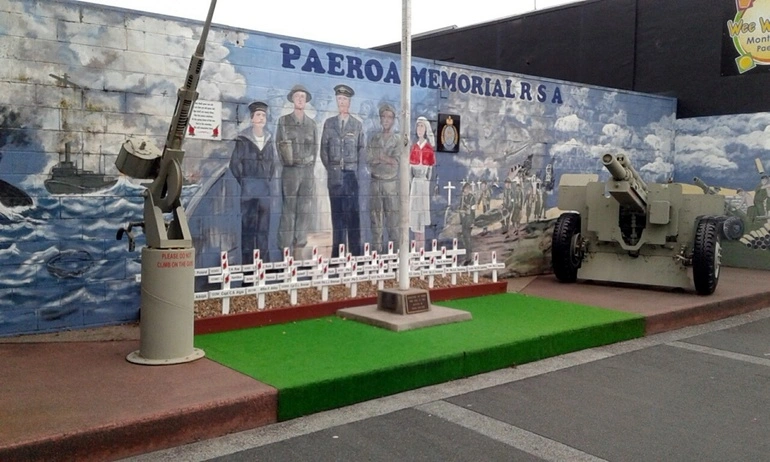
x,y
206,26
629,188
702,185
188,94
616,169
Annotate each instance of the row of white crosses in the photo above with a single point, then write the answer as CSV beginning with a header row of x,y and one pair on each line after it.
x,y
260,278
443,261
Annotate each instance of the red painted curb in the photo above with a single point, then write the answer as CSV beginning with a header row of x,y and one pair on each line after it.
x,y
708,312
296,313
128,438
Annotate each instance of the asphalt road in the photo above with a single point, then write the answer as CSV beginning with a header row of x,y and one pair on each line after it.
x,y
700,393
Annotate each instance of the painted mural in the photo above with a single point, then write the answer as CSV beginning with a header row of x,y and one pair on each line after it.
x,y
306,153
729,155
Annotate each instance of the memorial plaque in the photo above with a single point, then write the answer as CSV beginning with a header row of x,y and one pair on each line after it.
x,y
403,302
417,303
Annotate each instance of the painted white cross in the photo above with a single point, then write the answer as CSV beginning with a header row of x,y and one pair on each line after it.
x,y
449,189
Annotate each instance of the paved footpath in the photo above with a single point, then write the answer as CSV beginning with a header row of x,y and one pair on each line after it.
x,y
699,393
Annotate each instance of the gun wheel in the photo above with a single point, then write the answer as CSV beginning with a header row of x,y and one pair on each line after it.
x,y
706,257
732,228
566,252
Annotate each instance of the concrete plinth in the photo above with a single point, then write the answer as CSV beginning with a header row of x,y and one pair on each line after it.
x,y
401,310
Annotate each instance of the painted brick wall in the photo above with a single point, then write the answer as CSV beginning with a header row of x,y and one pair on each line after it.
x,y
89,78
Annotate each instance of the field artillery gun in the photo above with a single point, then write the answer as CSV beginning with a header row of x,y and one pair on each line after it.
x,y
628,231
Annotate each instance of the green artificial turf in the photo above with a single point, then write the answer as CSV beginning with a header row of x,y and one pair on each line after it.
x,y
330,362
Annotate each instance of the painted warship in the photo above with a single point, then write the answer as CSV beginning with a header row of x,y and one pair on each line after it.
x,y
11,196
68,178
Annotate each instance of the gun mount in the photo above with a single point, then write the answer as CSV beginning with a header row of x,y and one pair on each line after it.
x,y
168,260
629,231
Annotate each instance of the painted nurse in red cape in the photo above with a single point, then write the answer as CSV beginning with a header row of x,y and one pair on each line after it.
x,y
422,158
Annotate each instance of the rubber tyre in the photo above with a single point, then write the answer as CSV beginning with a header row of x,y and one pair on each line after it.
x,y
706,256
565,257
732,228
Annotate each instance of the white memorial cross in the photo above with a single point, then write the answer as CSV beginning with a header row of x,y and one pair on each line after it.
x,y
432,268
324,282
318,273
454,270
373,267
353,278
421,262
223,263
259,272
292,282
382,274
495,266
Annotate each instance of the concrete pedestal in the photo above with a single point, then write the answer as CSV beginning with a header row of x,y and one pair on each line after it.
x,y
401,310
167,316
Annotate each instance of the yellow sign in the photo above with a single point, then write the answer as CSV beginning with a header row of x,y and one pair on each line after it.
x,y
750,33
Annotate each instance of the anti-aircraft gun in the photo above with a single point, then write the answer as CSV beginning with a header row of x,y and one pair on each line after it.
x,y
628,231
168,260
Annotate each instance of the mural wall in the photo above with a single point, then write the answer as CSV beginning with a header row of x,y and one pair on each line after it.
x,y
295,145
729,155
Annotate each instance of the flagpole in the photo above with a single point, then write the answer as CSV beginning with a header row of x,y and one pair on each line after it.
x,y
406,84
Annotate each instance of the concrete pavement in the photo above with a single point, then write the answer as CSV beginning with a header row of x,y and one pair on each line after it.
x,y
72,395
697,393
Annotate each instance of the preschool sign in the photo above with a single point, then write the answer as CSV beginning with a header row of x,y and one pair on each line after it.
x,y
746,44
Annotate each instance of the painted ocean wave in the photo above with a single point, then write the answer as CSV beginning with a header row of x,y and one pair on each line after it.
x,y
61,261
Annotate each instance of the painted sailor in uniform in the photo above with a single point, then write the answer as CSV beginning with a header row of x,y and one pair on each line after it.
x,y
253,165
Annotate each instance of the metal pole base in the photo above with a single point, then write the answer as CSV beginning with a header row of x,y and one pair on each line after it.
x,y
136,358
167,316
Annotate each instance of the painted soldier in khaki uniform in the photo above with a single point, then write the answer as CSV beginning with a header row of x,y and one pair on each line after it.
x,y
485,198
539,200
297,143
342,146
467,217
761,197
508,205
383,156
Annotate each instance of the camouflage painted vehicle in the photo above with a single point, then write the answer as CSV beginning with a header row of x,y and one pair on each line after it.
x,y
627,231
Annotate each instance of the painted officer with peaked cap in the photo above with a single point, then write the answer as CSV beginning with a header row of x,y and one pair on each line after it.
x,y
342,151
297,143
253,163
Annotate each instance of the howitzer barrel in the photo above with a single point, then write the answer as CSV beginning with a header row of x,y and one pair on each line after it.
x,y
617,170
628,188
621,170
